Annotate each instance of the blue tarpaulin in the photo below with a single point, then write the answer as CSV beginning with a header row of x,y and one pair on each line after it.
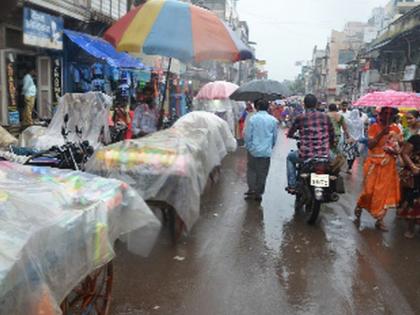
x,y
101,49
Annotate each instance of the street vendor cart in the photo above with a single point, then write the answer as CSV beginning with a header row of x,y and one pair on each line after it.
x,y
170,166
57,231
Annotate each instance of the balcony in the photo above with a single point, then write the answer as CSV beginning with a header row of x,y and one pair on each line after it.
x,y
77,9
108,10
403,7
85,10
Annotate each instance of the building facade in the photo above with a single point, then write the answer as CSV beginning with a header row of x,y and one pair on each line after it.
x,y
239,72
24,45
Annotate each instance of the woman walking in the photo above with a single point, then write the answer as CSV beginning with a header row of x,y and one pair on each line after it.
x,y
410,182
355,128
405,172
381,186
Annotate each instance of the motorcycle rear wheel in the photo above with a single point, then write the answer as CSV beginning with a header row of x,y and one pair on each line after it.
x,y
312,211
299,202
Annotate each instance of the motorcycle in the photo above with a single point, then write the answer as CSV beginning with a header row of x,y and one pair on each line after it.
x,y
71,155
316,184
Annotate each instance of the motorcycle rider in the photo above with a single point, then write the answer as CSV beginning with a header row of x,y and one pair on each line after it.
x,y
316,134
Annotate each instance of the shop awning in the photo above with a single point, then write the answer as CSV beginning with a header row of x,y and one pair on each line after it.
x,y
101,49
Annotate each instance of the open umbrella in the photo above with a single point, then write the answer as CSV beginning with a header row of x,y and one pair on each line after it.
x,y
269,90
177,30
216,90
214,98
389,98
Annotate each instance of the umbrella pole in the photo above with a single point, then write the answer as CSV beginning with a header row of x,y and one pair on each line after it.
x,y
162,109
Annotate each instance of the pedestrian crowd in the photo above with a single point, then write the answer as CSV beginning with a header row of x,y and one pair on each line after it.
x,y
387,141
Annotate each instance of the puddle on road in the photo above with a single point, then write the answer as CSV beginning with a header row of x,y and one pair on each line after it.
x,y
314,263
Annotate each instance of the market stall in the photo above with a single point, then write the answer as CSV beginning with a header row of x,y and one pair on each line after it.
x,y
172,165
57,227
92,64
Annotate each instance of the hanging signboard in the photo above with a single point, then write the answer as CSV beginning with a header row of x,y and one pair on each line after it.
x,y
42,30
56,79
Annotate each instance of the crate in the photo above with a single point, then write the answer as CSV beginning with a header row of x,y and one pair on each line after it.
x,y
14,118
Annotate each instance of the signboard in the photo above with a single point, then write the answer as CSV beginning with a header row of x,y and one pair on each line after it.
x,y
56,80
42,30
410,73
11,81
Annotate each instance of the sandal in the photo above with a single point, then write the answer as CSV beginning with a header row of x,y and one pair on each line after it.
x,y
380,225
357,214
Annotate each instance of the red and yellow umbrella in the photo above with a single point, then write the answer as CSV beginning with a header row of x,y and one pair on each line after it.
x,y
177,30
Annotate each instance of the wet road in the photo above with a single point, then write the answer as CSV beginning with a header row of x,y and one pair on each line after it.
x,y
246,258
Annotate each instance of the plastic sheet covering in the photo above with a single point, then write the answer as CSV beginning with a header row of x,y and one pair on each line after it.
x,y
101,49
226,109
6,138
172,165
89,111
218,128
30,134
58,226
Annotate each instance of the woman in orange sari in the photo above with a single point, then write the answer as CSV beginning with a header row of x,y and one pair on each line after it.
x,y
381,186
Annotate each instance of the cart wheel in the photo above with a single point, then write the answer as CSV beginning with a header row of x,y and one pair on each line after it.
x,y
92,295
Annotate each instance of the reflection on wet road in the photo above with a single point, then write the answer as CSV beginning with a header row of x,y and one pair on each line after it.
x,y
246,258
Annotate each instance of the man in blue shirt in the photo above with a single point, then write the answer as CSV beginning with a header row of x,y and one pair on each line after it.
x,y
260,138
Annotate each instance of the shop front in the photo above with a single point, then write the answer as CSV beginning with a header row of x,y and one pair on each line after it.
x,y
37,47
92,64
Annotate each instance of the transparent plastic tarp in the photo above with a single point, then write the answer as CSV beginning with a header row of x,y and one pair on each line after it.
x,y
226,109
89,111
172,165
31,134
58,226
6,138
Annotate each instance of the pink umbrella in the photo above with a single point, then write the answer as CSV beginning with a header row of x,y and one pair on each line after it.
x,y
217,90
390,98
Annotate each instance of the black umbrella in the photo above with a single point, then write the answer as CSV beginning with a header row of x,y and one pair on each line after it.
x,y
269,90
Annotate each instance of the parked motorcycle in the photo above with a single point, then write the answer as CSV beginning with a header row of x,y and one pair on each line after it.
x,y
71,155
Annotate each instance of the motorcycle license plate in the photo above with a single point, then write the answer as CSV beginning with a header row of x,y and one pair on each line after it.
x,y
320,180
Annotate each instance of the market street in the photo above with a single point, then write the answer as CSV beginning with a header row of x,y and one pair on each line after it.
x,y
243,258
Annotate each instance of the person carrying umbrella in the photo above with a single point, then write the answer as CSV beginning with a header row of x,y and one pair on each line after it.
x,y
260,138
381,186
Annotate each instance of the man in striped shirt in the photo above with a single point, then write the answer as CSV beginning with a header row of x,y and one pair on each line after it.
x,y
316,134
